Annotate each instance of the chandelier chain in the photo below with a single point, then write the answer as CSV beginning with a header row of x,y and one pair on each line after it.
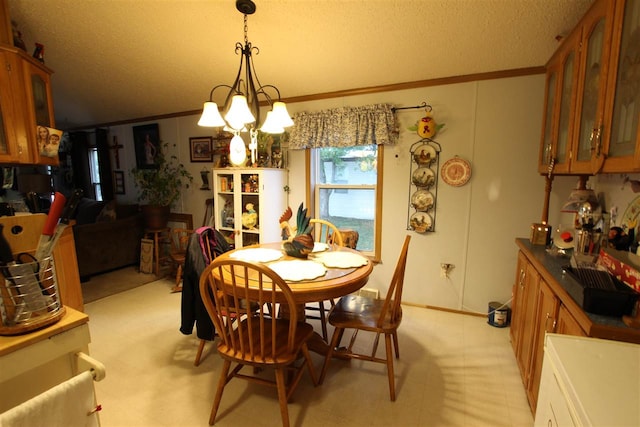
x,y
246,30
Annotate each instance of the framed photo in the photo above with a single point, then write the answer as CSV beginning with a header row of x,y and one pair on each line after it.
x,y
146,139
201,149
118,182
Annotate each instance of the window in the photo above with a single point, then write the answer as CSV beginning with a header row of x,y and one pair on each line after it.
x,y
347,191
95,172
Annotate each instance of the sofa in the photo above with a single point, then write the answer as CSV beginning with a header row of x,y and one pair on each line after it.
x,y
107,236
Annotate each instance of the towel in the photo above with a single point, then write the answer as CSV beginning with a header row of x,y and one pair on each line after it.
x,y
70,404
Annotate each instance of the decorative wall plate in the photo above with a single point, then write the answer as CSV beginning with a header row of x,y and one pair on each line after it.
x,y
422,200
424,155
456,172
423,177
421,222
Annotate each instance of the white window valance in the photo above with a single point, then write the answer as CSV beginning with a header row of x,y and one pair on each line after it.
x,y
344,127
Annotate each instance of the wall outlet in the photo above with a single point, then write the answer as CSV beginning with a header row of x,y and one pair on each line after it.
x,y
369,293
445,269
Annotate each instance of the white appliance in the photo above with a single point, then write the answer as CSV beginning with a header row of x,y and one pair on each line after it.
x,y
589,382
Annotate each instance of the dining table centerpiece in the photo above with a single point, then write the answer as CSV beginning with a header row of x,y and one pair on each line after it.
x,y
297,242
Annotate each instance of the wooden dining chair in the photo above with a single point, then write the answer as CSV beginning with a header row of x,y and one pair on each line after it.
x,y
323,232
372,315
255,339
178,253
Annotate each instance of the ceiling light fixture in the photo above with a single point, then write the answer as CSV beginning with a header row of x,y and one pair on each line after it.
x,y
241,106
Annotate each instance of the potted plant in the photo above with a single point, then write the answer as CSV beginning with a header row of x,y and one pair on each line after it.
x,y
160,187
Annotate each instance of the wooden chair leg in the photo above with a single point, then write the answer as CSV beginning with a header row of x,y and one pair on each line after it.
x,y
395,343
337,334
221,383
199,353
392,386
282,396
323,320
177,287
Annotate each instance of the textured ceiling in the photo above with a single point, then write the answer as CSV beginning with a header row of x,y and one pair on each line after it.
x,y
124,59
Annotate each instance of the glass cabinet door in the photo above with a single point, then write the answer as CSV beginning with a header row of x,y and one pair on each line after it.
x,y
626,106
589,155
546,153
590,93
566,111
40,100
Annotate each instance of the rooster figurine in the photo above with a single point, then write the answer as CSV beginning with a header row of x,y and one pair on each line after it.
x,y
301,244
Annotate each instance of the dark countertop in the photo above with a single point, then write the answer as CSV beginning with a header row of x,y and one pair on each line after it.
x,y
550,266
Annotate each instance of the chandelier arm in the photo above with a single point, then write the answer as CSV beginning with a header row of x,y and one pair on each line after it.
x,y
236,87
251,79
216,87
270,99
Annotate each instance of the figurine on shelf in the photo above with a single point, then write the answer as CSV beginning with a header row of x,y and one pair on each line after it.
x,y
250,217
17,36
38,53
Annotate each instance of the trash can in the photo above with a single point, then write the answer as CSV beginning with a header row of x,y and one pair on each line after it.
x,y
499,314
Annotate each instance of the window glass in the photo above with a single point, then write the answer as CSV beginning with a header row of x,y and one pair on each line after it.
x,y
346,190
95,172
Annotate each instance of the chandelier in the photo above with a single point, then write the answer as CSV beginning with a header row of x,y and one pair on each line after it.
x,y
241,106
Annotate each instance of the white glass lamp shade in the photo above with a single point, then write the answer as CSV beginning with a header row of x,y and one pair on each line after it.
x,y
270,124
239,113
237,151
211,116
281,114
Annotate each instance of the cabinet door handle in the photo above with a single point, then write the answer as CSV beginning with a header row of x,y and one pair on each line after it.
x,y
522,277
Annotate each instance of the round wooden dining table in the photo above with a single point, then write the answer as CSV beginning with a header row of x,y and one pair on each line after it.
x,y
335,283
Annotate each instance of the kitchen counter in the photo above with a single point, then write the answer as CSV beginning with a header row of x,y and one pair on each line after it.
x,y
33,363
568,290
71,319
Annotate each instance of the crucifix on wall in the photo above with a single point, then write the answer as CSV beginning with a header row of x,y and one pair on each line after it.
x,y
116,148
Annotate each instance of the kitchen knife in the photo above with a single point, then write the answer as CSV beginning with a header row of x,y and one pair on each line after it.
x,y
58,228
50,224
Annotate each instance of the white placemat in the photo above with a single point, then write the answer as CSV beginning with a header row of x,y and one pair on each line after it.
x,y
341,259
257,255
295,270
320,247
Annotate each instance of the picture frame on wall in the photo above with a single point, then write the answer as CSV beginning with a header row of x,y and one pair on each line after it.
x,y
146,139
201,149
118,182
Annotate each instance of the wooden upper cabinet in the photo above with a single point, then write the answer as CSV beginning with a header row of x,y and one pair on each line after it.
x,y
592,103
13,149
25,103
621,139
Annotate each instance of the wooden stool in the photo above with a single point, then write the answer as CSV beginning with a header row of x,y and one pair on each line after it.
x,y
159,236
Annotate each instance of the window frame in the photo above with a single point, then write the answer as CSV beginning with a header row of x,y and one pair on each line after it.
x,y
313,189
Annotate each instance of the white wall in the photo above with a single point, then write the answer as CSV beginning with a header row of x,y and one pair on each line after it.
x,y
495,124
